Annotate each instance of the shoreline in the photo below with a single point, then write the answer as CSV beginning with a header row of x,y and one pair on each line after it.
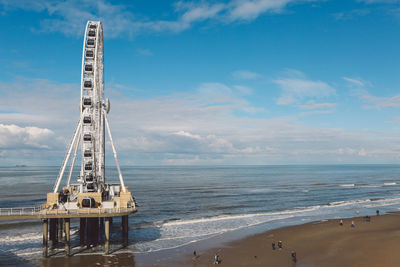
x,y
317,243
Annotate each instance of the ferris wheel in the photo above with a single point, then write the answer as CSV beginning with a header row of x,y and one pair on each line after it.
x,y
89,134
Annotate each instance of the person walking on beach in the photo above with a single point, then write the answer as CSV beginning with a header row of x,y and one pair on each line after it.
x,y
294,257
216,259
280,244
352,224
273,245
341,222
377,212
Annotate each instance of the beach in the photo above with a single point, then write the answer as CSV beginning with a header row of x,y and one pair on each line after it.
x,y
321,243
373,242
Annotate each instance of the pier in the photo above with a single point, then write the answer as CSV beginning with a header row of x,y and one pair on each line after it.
x,y
90,199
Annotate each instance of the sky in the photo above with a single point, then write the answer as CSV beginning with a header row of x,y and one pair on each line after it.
x,y
235,82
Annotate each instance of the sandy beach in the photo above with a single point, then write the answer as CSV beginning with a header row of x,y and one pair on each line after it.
x,y
325,243
373,242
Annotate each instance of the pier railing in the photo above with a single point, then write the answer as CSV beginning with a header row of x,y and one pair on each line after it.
x,y
84,211
21,211
41,212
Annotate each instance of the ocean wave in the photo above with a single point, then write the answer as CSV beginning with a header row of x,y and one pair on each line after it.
x,y
240,216
348,202
347,185
368,185
371,186
18,238
26,237
389,184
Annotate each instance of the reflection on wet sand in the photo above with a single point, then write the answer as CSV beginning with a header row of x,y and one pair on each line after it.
x,y
120,259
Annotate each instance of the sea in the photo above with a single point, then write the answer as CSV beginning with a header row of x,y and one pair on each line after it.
x,y
181,205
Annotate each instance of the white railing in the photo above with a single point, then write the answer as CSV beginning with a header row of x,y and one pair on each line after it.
x,y
38,210
87,211
20,211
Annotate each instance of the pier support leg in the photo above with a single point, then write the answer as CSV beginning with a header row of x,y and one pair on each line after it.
x,y
89,232
92,232
107,235
125,230
67,237
45,235
53,235
56,233
82,230
96,232
101,223
60,229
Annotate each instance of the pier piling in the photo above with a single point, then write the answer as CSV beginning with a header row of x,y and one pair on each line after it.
x,y
107,235
60,229
67,236
125,230
101,224
45,234
82,230
53,235
92,232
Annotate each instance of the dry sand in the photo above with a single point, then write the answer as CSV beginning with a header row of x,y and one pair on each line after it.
x,y
326,243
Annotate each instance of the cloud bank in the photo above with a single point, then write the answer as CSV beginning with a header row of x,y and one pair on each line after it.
x,y
212,124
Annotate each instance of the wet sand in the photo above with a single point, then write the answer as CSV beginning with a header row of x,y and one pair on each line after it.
x,y
325,243
120,259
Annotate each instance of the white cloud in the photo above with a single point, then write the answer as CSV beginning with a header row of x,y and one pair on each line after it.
x,y
144,52
39,102
187,134
379,102
68,17
348,15
356,82
16,137
199,11
243,89
245,75
372,102
312,105
249,10
294,90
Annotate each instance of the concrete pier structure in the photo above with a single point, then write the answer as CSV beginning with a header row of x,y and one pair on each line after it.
x,y
52,233
90,231
107,235
82,231
45,236
67,237
125,230
60,228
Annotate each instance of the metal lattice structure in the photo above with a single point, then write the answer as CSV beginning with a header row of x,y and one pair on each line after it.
x,y
89,134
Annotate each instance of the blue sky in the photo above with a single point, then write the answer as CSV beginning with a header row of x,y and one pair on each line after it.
x,y
207,82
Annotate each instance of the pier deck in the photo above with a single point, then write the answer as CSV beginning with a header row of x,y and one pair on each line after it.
x,y
27,213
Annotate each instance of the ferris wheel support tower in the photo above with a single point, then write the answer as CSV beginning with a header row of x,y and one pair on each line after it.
x,y
90,131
